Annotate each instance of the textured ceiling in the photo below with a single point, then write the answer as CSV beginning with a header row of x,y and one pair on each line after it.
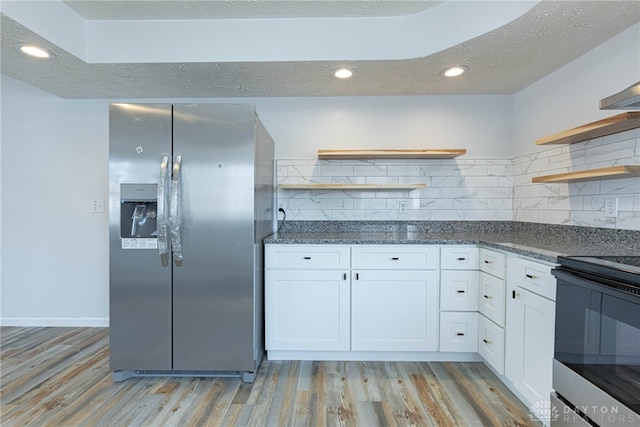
x,y
502,61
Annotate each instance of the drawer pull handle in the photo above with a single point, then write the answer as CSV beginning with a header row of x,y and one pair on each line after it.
x,y
486,261
460,291
486,341
395,258
530,276
307,257
487,296
460,334
461,259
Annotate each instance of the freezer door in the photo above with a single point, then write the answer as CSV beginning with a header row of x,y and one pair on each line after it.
x,y
139,286
213,290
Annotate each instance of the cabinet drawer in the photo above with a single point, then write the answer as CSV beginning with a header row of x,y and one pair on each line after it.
x,y
400,257
307,256
491,343
492,262
535,277
459,290
491,300
459,332
459,258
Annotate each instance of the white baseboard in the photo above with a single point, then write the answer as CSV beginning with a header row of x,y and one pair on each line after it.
x,y
75,322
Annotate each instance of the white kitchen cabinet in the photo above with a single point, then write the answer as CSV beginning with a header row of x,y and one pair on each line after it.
x,y
491,298
395,257
459,285
459,331
459,290
459,258
307,297
492,309
307,310
492,262
530,328
307,256
394,310
491,343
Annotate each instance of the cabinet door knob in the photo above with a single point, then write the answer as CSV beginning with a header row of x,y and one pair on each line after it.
x,y
344,276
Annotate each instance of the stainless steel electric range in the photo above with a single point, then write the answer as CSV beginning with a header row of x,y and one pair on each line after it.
x,y
596,367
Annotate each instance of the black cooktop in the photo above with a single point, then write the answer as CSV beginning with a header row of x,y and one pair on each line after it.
x,y
622,268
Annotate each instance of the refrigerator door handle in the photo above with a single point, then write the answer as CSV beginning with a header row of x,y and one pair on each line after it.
x,y
162,211
176,212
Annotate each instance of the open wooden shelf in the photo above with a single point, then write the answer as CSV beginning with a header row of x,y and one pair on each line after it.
x,y
351,186
613,124
592,174
445,153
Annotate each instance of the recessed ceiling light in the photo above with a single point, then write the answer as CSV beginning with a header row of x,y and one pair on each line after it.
x,y
35,51
453,71
343,73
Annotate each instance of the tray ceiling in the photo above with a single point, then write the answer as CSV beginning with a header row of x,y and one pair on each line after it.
x,y
501,61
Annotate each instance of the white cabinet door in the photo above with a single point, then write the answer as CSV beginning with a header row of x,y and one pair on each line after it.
x,y
492,297
394,310
491,343
492,262
459,290
530,346
307,256
459,331
307,309
392,257
459,258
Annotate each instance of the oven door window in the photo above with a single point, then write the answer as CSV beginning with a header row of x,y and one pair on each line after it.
x,y
598,336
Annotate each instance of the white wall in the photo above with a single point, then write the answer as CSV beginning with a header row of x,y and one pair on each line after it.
x,y
301,126
54,250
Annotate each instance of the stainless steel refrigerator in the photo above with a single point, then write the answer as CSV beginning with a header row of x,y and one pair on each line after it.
x,y
191,197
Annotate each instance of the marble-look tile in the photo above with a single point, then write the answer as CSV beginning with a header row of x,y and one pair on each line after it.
x,y
470,189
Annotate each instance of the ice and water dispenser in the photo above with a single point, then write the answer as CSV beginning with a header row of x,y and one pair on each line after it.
x,y
138,212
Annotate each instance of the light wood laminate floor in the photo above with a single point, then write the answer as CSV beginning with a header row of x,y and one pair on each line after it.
x,y
60,377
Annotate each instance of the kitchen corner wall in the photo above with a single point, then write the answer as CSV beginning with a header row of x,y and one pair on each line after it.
x,y
579,203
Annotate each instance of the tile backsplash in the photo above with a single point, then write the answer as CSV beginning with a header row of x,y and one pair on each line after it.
x,y
457,189
579,203
472,189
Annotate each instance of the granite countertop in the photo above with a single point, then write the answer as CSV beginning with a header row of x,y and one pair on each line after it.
x,y
545,244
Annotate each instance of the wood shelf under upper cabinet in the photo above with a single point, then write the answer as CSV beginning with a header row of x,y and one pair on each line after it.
x,y
351,186
613,124
445,153
592,174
